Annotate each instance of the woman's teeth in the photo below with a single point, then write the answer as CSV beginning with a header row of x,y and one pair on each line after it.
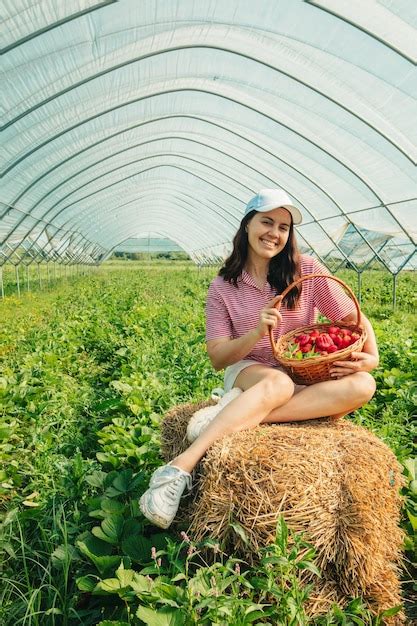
x,y
269,244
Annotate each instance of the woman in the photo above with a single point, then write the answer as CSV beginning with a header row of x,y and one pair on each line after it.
x,y
240,310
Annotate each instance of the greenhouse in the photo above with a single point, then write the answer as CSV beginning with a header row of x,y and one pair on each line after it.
x,y
208,225
128,120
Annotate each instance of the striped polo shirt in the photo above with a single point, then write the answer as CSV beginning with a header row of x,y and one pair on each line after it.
x,y
234,311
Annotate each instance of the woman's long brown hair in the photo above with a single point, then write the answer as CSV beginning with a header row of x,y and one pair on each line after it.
x,y
284,268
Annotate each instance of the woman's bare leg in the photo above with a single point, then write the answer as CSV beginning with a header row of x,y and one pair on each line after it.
x,y
331,398
269,398
265,388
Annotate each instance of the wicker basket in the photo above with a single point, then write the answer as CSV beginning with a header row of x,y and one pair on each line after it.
x,y
316,369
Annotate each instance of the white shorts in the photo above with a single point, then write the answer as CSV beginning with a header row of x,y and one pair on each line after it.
x,y
233,371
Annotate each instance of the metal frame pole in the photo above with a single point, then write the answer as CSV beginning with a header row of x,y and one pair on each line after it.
x,y
394,291
17,280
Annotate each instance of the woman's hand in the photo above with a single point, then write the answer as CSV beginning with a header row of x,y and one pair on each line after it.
x,y
269,317
362,362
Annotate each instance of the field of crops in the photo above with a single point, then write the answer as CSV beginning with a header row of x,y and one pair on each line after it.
x,y
89,367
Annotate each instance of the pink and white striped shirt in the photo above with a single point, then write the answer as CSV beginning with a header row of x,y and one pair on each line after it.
x,y
234,311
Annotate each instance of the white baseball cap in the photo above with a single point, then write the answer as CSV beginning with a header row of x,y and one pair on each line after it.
x,y
268,199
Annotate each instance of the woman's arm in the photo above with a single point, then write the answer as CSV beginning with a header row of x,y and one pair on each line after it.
x,y
364,361
225,351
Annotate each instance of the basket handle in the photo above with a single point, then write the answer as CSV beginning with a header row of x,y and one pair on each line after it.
x,y
307,277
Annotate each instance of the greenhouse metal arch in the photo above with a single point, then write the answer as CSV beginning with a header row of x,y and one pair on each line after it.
x,y
315,97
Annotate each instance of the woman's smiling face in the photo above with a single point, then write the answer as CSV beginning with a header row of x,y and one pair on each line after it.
x,y
268,232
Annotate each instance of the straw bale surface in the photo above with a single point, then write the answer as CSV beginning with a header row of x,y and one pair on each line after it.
x,y
330,479
174,427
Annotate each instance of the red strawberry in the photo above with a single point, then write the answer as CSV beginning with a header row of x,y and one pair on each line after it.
x,y
346,341
306,348
346,331
324,341
355,336
332,349
314,333
333,330
303,340
338,341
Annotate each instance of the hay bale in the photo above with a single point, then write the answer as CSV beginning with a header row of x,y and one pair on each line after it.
x,y
174,428
332,480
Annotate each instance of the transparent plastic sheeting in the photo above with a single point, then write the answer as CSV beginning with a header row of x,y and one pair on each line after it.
x,y
150,244
122,118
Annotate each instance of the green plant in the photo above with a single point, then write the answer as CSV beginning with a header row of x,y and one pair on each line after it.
x,y
85,381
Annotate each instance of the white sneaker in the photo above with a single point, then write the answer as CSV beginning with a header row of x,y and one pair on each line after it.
x,y
159,504
202,418
217,393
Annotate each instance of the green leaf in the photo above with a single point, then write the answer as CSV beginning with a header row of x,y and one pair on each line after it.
x,y
310,567
281,533
96,479
159,540
86,583
94,549
390,612
6,432
121,485
104,458
108,622
108,585
138,548
240,532
252,615
178,577
97,514
112,506
355,605
199,585
63,555
132,527
125,576
275,560
93,545
105,564
337,612
164,617
141,583
411,467
110,530
413,520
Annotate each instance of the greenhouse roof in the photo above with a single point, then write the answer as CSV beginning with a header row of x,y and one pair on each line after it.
x,y
149,244
124,118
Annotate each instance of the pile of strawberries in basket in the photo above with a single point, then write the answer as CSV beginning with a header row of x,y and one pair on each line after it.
x,y
316,343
